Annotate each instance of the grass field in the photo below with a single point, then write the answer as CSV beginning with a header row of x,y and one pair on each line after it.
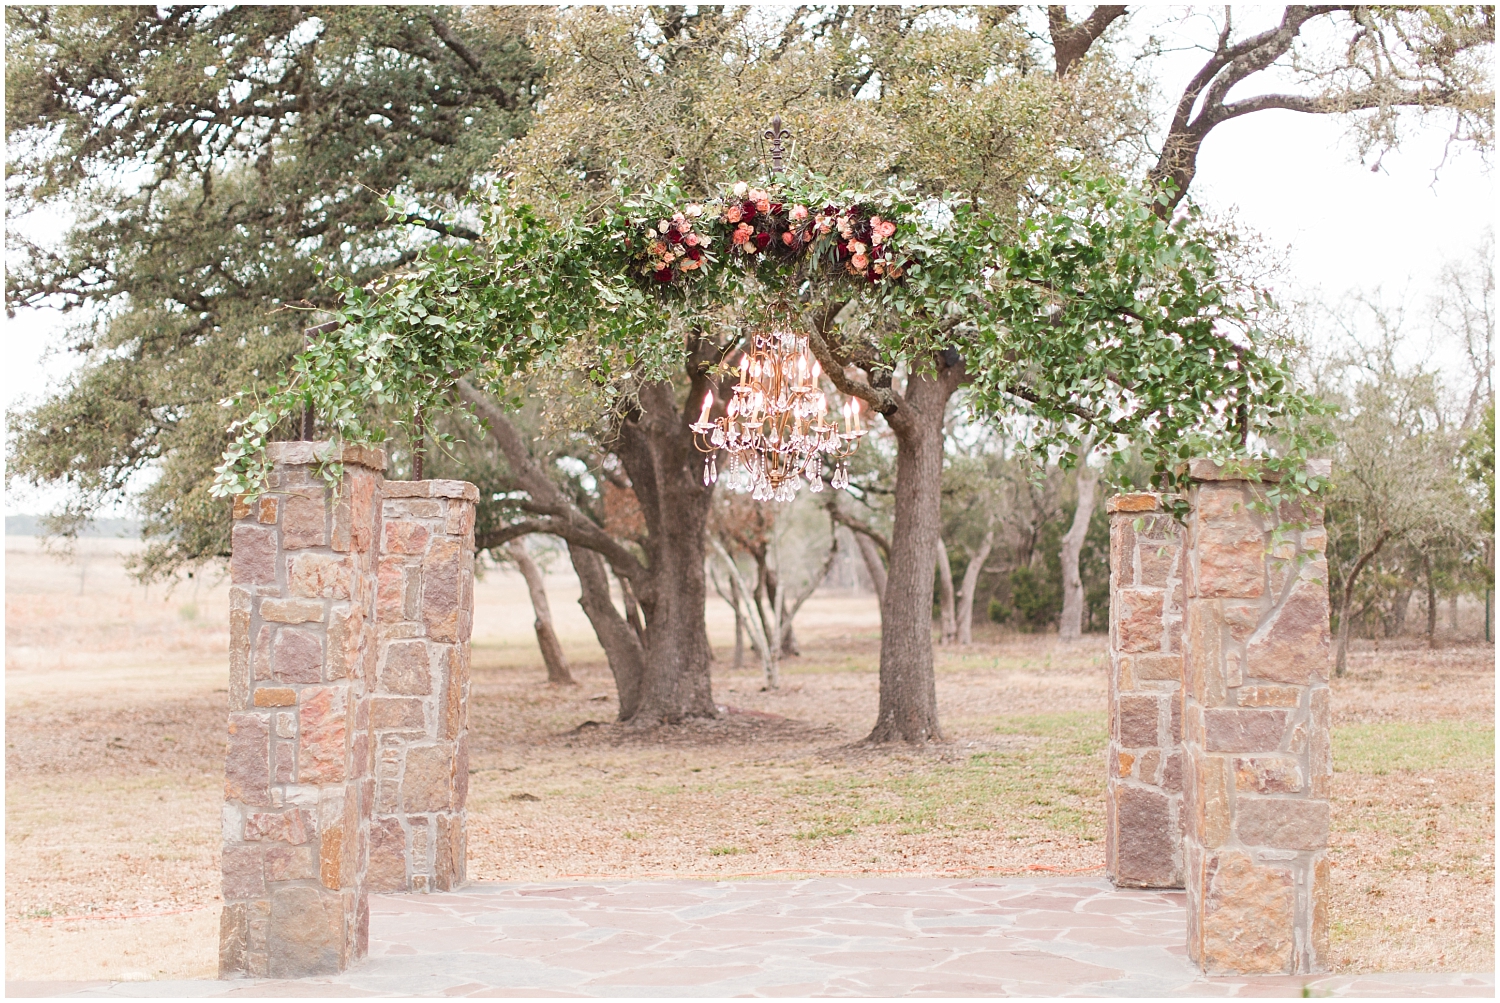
x,y
114,744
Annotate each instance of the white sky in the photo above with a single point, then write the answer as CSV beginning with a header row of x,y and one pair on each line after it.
x,y
1292,178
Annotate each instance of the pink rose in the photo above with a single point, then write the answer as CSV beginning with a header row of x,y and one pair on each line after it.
x,y
789,238
798,212
692,240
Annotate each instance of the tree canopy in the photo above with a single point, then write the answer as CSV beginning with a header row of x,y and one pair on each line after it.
x,y
218,166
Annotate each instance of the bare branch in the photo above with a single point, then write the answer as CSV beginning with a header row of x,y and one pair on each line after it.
x,y
1071,40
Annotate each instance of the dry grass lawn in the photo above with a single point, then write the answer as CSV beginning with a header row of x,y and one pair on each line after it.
x,y
114,742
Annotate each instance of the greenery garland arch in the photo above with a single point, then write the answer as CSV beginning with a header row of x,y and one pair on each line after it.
x,y
1092,316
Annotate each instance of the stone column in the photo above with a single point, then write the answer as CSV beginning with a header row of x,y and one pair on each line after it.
x,y
418,714
1255,731
1143,811
298,779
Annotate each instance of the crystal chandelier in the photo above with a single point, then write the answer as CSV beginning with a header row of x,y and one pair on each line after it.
x,y
775,429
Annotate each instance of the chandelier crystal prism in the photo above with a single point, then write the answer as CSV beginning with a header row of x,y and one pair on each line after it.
x,y
775,428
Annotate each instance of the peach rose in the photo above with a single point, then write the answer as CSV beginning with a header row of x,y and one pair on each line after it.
x,y
733,214
860,262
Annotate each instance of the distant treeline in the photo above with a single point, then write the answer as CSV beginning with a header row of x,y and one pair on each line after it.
x,y
35,525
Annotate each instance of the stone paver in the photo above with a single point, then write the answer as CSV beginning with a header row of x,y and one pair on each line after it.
x,y
816,937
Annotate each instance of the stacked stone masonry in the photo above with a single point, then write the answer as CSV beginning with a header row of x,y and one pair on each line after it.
x,y
1255,729
310,701
1143,808
425,612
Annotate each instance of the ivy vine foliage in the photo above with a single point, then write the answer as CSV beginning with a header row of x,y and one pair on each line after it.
x,y
1091,318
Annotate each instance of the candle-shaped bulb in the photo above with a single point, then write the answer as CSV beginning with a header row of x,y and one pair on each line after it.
x,y
708,403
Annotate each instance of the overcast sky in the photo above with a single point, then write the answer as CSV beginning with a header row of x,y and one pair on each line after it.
x,y
1292,178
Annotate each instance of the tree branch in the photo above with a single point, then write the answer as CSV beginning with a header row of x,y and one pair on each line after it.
x,y
1071,40
565,520
882,399
858,525
436,226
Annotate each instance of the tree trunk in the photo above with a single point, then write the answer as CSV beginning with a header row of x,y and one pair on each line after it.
x,y
873,564
1395,624
761,626
666,595
656,449
789,647
1431,602
971,583
622,647
739,629
1346,596
1070,627
908,692
945,594
546,637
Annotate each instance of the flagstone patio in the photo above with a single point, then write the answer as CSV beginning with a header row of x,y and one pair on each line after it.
x,y
814,937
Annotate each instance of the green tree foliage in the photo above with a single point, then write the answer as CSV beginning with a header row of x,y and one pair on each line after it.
x,y
218,165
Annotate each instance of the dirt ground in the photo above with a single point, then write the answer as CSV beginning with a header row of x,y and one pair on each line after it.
x,y
114,744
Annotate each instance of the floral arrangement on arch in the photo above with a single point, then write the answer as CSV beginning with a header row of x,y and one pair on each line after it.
x,y
752,225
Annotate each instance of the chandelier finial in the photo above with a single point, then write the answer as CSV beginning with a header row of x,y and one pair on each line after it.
x,y
774,135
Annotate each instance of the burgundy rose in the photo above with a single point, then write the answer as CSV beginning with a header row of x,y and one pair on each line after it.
x,y
775,208
695,253
747,210
843,251
830,210
673,237
762,239
663,274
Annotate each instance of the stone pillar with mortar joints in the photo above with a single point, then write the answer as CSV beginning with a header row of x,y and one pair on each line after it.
x,y
418,714
1143,808
298,773
1255,730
